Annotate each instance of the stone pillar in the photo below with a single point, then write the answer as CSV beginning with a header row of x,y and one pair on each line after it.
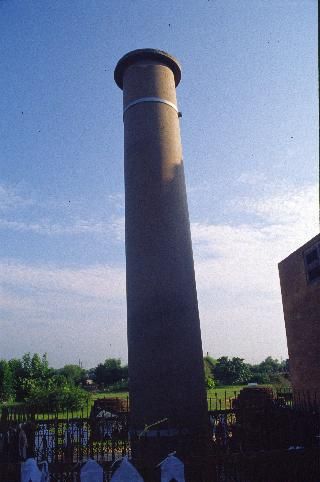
x,y
164,341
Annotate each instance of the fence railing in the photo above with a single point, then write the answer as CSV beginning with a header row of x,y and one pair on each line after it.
x,y
106,438
222,401
290,424
305,400
66,440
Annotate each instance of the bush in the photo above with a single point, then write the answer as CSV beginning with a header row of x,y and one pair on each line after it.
x,y
209,383
261,378
280,381
58,398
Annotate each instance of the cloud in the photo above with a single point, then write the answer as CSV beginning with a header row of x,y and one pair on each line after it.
x,y
252,178
201,187
118,227
99,282
76,312
237,274
282,203
117,199
74,227
16,218
11,198
68,312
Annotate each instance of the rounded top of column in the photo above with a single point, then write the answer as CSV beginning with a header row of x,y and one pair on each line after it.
x,y
146,54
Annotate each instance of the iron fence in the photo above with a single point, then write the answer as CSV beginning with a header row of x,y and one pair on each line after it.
x,y
24,412
66,440
304,400
245,445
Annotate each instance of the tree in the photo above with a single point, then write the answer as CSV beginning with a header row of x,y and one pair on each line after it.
x,y
267,370
231,371
209,364
73,373
17,373
270,365
6,381
28,373
110,372
285,367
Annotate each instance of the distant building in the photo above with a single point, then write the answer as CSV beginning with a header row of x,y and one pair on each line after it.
x,y
300,288
90,385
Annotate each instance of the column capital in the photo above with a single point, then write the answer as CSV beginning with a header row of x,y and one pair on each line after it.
x,y
146,54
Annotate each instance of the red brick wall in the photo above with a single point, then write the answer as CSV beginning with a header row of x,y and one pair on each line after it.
x,y
301,307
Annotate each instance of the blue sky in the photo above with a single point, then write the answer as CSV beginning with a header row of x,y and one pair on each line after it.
x,y
249,129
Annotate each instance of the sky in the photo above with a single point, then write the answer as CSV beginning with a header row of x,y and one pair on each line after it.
x,y
249,128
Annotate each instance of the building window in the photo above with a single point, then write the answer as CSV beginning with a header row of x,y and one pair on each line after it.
x,y
312,263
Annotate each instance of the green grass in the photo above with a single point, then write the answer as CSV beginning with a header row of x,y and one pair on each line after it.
x,y
95,396
218,398
229,389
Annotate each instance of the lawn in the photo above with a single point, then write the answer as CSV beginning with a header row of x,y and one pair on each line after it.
x,y
218,398
95,396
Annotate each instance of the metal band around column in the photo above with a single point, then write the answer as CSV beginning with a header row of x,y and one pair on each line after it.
x,y
150,99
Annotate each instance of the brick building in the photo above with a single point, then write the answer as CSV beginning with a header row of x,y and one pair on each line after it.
x,y
300,289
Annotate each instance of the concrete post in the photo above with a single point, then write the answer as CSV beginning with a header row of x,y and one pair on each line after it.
x,y
164,341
